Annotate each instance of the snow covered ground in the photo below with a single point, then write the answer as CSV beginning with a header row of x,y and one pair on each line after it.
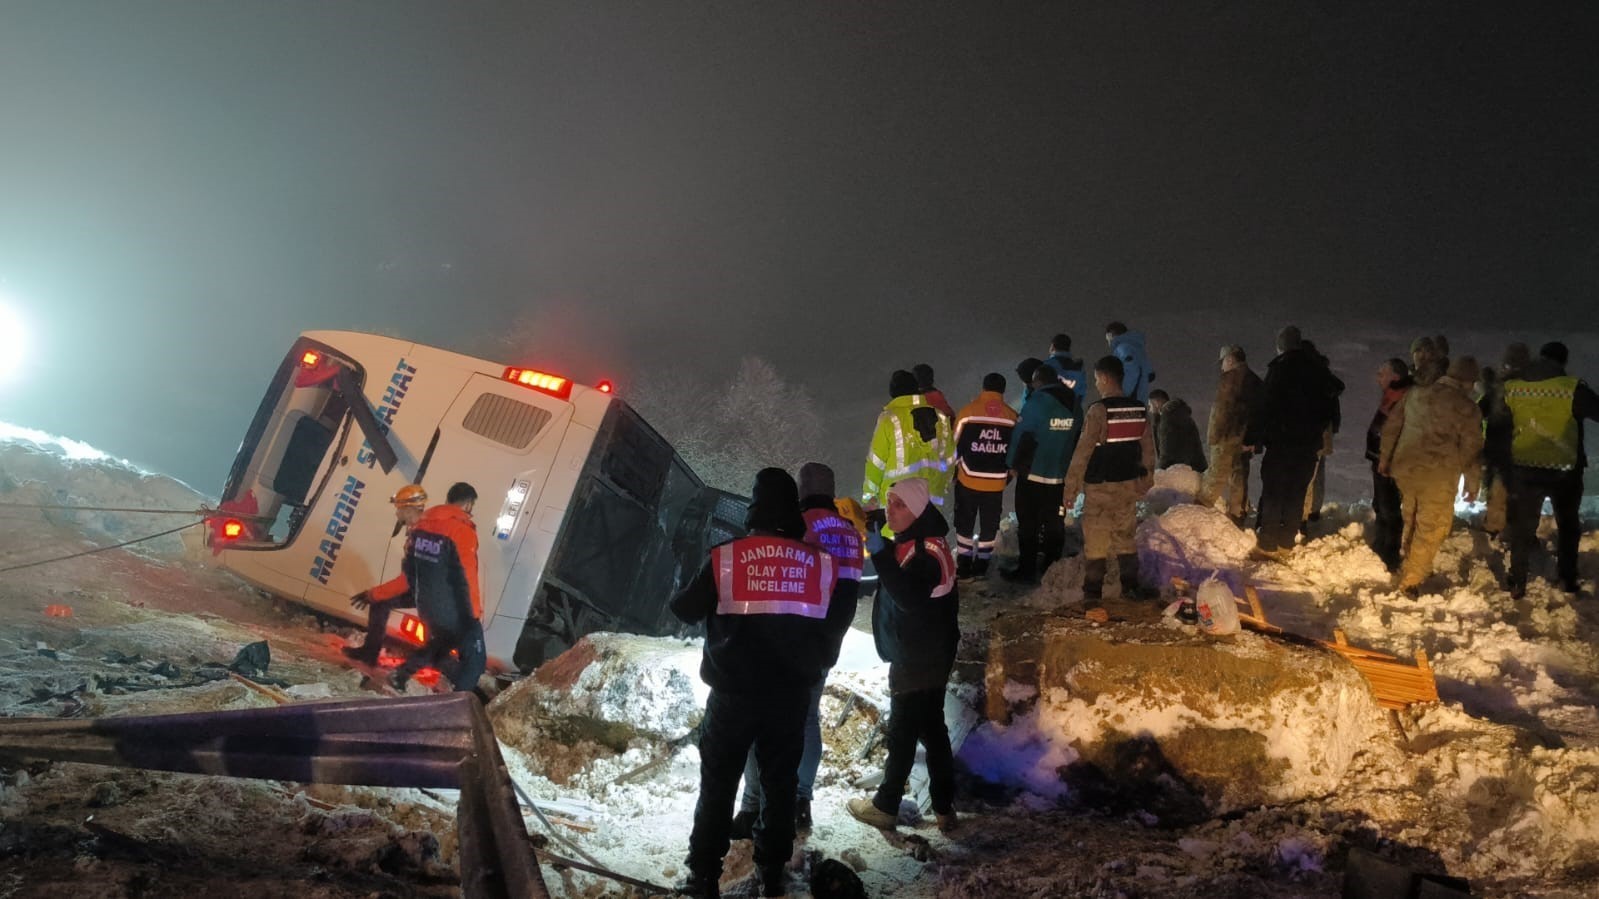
x,y
1499,783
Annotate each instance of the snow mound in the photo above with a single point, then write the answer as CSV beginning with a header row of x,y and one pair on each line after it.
x,y
1340,562
62,447
1192,542
608,689
1173,486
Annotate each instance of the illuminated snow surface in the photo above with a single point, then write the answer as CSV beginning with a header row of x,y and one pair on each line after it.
x,y
1499,783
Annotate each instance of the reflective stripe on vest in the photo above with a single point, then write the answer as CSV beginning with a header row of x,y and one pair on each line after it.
x,y
939,550
1546,434
772,576
1124,424
827,531
984,447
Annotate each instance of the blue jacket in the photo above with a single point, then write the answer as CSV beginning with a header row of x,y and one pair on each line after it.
x,y
1070,372
1136,373
1041,447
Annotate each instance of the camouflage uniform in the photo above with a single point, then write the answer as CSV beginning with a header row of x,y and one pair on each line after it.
x,y
1228,474
1112,467
1431,439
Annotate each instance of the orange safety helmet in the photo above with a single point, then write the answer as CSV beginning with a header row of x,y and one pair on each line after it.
x,y
410,496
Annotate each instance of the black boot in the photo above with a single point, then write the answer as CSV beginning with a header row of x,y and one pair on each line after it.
x,y
774,881
366,655
1127,567
963,567
980,568
1093,581
1020,576
743,826
701,885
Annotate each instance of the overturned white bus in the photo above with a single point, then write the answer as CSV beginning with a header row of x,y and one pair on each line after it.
x,y
587,519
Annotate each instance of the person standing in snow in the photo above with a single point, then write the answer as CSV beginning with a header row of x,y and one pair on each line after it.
x,y
983,431
1432,438
441,567
1388,525
827,530
1296,409
1068,369
1113,467
1547,409
1024,373
912,439
1238,393
1316,493
409,502
1498,434
772,630
1128,346
1429,359
1041,449
930,393
1176,436
914,622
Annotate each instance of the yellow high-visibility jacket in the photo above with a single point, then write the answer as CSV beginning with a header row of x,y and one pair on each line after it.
x,y
898,451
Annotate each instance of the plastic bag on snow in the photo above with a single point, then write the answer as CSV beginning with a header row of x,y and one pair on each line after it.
x,y
1218,609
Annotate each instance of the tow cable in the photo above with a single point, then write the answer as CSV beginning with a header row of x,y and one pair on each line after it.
x,y
203,513
98,549
593,865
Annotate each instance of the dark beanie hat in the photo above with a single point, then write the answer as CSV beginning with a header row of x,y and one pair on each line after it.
x,y
1026,367
1555,352
924,375
816,479
902,383
774,504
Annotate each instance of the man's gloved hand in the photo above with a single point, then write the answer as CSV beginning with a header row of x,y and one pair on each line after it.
x,y
875,542
361,600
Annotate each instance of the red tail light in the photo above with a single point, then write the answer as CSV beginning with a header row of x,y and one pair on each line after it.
x,y
310,359
605,387
554,385
232,529
412,628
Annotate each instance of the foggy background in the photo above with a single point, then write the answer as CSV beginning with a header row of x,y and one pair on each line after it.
x,y
626,189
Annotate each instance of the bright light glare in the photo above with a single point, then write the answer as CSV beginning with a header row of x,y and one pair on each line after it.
x,y
13,342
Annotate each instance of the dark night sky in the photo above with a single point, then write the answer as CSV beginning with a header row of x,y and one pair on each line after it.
x,y
842,188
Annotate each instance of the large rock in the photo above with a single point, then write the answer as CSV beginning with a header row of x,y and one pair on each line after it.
x,y
1240,721
607,689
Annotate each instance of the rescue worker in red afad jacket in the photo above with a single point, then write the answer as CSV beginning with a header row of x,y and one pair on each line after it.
x,y
395,593
441,566
772,629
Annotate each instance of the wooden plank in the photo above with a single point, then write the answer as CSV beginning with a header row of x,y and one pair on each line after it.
x,y
276,695
1255,608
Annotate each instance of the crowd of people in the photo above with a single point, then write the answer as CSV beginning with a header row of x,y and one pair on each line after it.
x,y
776,603
1511,434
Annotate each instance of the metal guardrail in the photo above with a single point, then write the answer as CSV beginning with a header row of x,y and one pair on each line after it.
x,y
442,741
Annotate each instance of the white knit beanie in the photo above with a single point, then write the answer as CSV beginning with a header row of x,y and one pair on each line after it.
x,y
913,493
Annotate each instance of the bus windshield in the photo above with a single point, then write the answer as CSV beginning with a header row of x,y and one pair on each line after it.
x,y
286,452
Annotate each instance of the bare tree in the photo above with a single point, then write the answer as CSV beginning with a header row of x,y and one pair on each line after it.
x,y
727,433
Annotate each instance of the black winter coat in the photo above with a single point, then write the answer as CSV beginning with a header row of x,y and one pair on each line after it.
x,y
916,633
1177,439
1298,405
